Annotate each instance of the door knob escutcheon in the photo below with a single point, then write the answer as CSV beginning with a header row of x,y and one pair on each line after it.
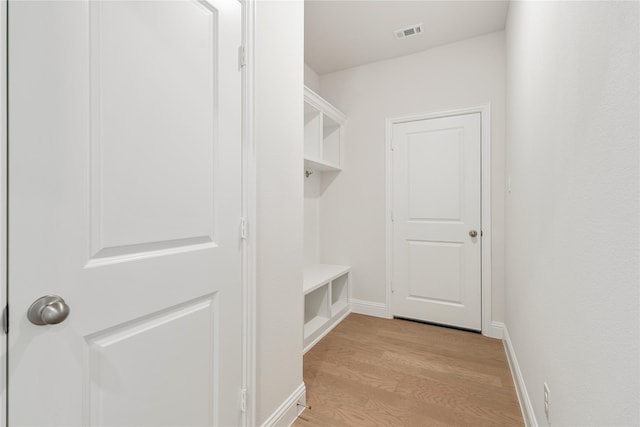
x,y
48,310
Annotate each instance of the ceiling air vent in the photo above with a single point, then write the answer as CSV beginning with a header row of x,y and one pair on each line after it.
x,y
413,30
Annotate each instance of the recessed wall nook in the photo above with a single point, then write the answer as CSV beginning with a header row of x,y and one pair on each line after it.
x,y
326,287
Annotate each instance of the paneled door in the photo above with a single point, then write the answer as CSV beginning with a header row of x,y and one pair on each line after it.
x,y
436,234
124,201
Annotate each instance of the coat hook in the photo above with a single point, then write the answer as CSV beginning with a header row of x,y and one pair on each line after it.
x,y
307,174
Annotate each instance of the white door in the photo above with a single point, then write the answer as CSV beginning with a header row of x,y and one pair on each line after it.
x,y
436,212
124,200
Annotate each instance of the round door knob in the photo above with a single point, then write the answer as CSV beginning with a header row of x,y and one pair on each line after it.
x,y
473,233
48,310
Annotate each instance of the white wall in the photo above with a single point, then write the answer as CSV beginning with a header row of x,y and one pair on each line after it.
x,y
279,258
352,226
311,79
312,192
573,213
312,195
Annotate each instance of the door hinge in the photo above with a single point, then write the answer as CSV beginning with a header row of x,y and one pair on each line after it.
x,y
5,319
243,228
242,57
243,400
392,220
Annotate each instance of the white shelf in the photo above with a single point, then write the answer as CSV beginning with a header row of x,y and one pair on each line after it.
x,y
317,275
323,134
321,166
326,300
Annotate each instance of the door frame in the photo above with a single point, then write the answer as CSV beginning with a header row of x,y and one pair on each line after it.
x,y
248,212
4,99
485,201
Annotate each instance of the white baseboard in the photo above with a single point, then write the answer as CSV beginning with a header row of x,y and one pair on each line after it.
x,y
369,308
496,330
521,389
288,412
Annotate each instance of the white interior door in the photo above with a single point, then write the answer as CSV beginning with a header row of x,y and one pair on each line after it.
x,y
124,200
436,263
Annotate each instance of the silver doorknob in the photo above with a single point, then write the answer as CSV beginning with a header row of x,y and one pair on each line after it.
x,y
473,233
48,310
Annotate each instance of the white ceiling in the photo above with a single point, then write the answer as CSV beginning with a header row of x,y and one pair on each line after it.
x,y
344,34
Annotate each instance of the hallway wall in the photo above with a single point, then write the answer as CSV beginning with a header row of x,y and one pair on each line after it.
x,y
572,296
279,253
352,209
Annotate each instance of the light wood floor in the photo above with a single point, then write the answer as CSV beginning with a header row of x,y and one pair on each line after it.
x,y
377,372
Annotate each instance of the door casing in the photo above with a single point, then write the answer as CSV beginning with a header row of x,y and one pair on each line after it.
x,y
248,211
3,208
488,328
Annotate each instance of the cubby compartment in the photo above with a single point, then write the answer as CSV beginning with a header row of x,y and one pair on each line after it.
x,y
339,294
331,142
323,134
326,300
312,132
316,310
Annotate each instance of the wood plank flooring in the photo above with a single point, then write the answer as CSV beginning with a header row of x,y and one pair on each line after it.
x,y
378,372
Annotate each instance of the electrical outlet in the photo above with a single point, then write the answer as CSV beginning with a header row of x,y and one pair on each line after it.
x,y
547,402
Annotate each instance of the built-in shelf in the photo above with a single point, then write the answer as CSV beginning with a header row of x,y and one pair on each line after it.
x,y
319,165
326,300
317,275
339,293
326,287
323,134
